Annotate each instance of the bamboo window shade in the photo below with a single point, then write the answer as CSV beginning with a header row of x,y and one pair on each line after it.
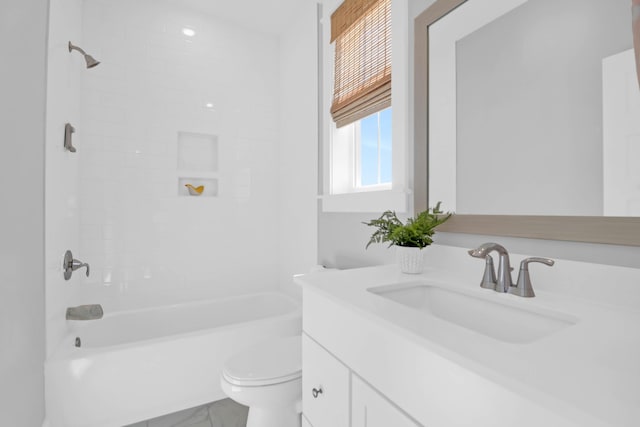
x,y
361,30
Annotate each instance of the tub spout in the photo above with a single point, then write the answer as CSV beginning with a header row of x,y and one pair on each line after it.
x,y
85,312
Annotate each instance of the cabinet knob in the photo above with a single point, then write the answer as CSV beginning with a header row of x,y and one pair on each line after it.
x,y
316,392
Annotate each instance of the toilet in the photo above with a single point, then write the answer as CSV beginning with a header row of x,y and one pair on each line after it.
x,y
268,379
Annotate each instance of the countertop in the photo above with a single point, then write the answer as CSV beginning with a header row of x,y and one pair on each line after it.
x,y
588,372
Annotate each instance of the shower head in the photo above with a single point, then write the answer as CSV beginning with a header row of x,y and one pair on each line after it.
x,y
91,61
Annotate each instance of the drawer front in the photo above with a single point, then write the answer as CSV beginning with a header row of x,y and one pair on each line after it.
x,y
325,387
370,409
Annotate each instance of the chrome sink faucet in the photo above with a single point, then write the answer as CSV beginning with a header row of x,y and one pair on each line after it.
x,y
503,281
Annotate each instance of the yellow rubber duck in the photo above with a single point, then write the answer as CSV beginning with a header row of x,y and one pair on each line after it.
x,y
195,191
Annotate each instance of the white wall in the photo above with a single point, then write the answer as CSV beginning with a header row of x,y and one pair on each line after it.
x,y
146,242
64,74
23,32
298,160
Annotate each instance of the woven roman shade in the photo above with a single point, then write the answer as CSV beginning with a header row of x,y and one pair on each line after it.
x,y
361,30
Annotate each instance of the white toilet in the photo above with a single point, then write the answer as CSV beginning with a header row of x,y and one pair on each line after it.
x,y
268,379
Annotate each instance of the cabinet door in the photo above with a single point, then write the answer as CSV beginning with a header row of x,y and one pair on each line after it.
x,y
370,409
325,387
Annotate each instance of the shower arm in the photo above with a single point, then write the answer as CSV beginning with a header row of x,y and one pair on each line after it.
x,y
90,60
79,49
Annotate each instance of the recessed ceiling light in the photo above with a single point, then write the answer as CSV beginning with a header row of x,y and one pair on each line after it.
x,y
208,105
189,32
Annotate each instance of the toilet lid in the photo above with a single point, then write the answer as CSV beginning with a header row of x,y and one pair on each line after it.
x,y
275,361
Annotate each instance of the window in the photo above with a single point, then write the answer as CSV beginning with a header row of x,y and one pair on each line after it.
x,y
373,145
361,155
365,167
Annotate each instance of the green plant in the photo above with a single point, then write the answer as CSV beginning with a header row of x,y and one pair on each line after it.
x,y
417,232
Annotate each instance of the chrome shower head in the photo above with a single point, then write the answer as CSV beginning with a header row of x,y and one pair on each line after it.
x,y
90,60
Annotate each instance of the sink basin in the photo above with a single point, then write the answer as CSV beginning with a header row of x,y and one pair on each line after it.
x,y
483,312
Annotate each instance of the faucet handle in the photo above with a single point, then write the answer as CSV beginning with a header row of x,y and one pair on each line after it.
x,y
70,264
523,287
79,264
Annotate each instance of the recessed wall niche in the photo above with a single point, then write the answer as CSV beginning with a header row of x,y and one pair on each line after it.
x,y
197,152
197,163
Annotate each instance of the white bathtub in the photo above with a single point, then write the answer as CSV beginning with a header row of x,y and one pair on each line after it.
x,y
136,365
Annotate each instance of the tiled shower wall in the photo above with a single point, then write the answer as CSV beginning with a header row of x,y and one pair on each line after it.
x,y
64,73
147,241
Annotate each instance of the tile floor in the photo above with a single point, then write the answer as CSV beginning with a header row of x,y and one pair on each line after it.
x,y
223,413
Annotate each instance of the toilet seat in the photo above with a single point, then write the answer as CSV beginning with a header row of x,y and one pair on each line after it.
x,y
272,362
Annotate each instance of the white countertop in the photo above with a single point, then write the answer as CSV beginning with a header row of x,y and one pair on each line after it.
x,y
589,372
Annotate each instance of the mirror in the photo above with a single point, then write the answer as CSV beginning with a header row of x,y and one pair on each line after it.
x,y
530,112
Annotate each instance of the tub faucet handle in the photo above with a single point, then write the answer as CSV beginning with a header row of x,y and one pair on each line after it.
x,y
70,265
79,264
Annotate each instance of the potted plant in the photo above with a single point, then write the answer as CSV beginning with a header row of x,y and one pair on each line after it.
x,y
409,238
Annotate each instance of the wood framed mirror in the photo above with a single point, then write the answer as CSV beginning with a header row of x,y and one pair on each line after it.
x,y
594,224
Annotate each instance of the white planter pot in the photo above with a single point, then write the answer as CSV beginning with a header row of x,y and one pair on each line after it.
x,y
410,260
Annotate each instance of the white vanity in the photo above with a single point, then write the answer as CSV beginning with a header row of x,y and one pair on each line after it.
x,y
382,348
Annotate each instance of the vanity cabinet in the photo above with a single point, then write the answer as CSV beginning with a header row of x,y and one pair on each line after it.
x,y
325,387
432,358
332,394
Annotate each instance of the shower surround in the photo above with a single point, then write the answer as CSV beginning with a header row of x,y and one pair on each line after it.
x,y
143,237
176,86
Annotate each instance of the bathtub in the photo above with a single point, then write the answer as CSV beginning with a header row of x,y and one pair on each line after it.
x,y
136,365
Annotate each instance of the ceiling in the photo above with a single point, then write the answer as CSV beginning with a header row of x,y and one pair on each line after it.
x,y
269,16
